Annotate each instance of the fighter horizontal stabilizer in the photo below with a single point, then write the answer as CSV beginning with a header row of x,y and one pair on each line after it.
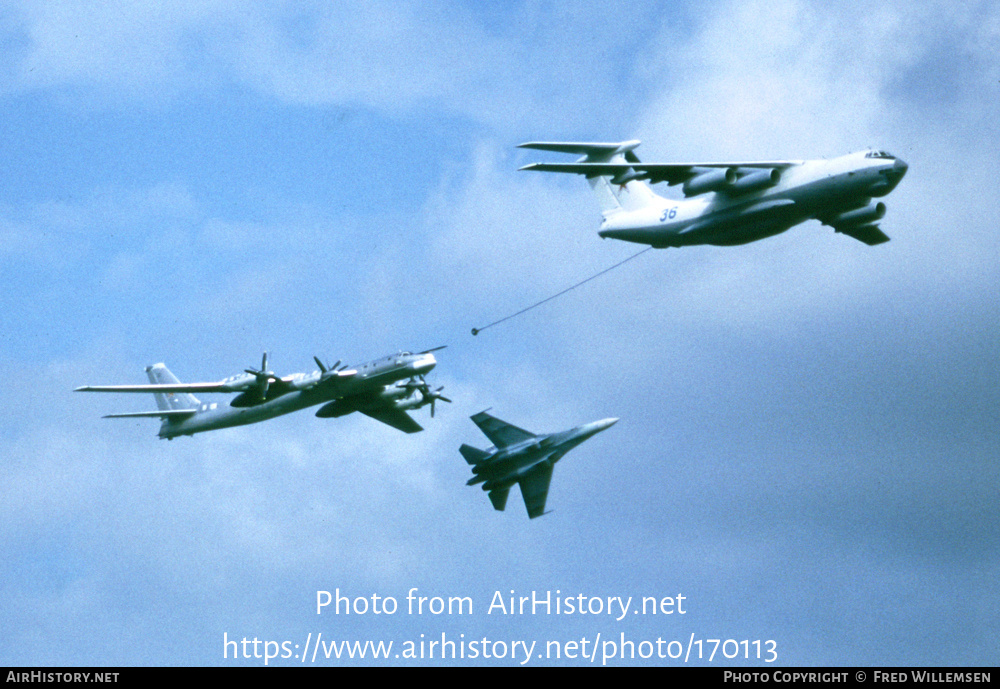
x,y
498,497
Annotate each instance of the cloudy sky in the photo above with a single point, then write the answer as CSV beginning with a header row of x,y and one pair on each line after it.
x,y
808,446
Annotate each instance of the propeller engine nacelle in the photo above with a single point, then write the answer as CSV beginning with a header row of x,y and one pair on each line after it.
x,y
420,395
414,401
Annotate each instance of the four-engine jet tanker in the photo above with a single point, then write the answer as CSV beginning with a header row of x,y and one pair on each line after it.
x,y
730,203
518,456
383,389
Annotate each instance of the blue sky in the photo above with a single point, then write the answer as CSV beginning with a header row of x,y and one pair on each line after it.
x,y
808,440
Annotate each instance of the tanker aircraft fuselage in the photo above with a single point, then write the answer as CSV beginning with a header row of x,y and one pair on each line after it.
x,y
730,203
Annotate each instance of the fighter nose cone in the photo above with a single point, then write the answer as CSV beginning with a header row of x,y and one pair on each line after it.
x,y
607,423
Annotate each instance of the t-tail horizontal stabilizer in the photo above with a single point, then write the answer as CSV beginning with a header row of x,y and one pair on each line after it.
x,y
593,151
608,169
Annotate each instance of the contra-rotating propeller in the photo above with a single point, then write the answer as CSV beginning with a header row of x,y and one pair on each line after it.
x,y
263,376
324,369
426,392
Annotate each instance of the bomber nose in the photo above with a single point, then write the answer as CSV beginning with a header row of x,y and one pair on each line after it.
x,y
900,167
424,363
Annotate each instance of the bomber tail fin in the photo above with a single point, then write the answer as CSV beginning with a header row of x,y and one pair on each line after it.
x,y
170,401
612,179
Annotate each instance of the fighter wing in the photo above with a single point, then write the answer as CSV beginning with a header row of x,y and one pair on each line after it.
x,y
397,418
535,488
165,387
500,433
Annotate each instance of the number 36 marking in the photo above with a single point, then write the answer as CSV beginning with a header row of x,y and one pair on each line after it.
x,y
669,213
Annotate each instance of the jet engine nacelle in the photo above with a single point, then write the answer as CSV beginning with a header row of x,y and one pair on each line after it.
x,y
755,181
859,216
716,180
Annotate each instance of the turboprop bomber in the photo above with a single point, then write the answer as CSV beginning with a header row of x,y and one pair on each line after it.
x,y
521,457
729,203
383,389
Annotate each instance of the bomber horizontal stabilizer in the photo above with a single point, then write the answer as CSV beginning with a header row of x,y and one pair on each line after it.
x,y
165,388
162,413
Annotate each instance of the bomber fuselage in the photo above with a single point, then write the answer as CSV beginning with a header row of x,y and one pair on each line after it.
x,y
305,390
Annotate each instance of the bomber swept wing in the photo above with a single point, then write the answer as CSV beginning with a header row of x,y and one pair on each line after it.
x,y
397,418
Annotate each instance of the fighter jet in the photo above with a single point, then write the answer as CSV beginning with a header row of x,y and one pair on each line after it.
x,y
730,203
518,456
383,389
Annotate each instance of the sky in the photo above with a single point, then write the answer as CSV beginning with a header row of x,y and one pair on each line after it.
x,y
808,445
